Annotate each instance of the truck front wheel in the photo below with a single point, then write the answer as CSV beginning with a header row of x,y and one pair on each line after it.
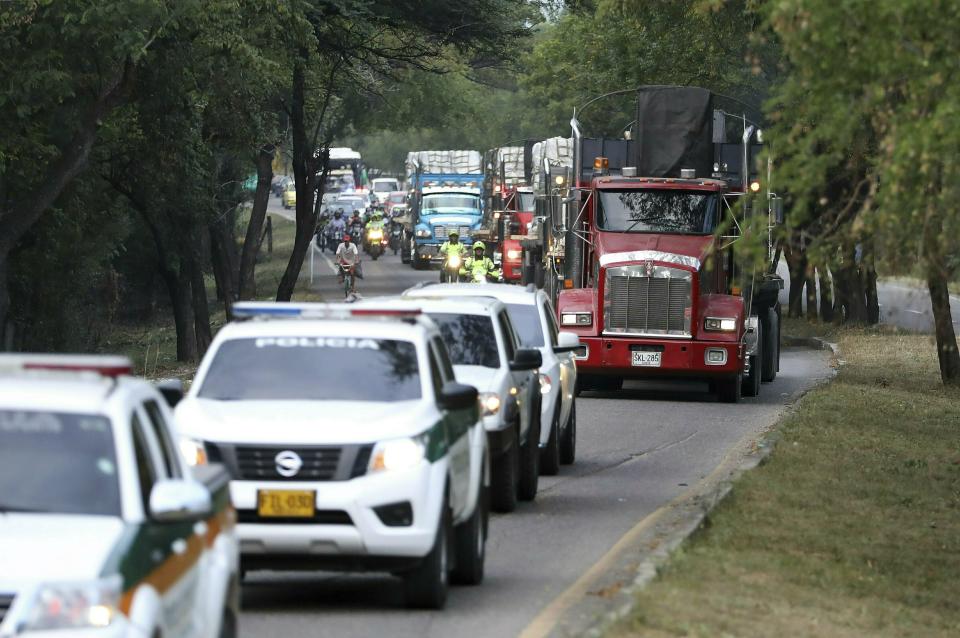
x,y
751,381
770,363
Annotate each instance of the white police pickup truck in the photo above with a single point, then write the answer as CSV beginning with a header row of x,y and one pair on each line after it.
x,y
103,529
486,353
535,323
350,444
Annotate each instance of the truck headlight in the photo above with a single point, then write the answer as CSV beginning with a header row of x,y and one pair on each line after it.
x,y
193,451
82,605
421,232
489,403
576,318
720,324
514,255
398,454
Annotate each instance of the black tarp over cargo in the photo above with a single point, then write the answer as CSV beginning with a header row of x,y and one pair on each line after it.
x,y
673,130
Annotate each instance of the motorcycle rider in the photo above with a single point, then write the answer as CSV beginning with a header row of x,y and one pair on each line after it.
x,y
479,267
375,223
348,255
449,248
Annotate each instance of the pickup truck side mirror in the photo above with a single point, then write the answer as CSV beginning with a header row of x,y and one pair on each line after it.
x,y
566,342
526,359
457,396
179,501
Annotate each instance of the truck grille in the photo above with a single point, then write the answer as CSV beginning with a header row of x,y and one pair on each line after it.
x,y
6,601
442,232
320,463
647,300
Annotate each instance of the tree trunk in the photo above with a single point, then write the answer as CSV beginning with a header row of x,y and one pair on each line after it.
x,y
178,288
198,293
6,330
304,176
870,290
826,295
797,266
947,353
224,261
810,280
251,242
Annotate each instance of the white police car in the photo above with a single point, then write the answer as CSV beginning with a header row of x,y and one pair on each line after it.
x,y
486,353
103,529
535,322
350,444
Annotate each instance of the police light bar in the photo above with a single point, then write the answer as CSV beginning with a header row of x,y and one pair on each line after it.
x,y
104,365
376,312
310,310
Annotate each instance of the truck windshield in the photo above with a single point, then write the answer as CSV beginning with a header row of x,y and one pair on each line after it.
x,y
527,202
57,462
470,339
444,203
658,211
292,368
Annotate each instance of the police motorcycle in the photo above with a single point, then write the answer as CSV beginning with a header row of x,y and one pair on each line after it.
x,y
480,268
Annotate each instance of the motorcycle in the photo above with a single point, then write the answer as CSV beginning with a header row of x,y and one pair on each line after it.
x,y
374,243
396,237
450,270
333,238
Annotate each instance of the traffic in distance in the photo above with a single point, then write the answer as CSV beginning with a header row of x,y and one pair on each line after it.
x,y
378,435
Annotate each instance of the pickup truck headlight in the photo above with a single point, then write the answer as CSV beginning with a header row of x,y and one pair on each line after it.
x,y
398,454
720,324
193,451
422,232
489,403
576,318
82,605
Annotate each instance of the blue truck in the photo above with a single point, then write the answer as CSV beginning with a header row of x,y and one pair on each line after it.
x,y
446,189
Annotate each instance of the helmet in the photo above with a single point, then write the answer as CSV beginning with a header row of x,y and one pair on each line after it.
x,y
479,245
337,214
454,235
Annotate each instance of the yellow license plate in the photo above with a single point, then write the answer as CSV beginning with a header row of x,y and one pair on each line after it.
x,y
286,503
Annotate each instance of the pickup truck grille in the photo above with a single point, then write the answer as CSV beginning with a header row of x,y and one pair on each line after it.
x,y
442,232
647,301
319,463
6,601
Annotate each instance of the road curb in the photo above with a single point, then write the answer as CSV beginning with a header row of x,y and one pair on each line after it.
x,y
613,597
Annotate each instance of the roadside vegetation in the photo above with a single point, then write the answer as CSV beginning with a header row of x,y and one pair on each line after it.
x,y
852,528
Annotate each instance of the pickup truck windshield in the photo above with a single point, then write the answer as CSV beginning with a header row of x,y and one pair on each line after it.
x,y
56,462
470,339
291,368
526,321
447,202
658,211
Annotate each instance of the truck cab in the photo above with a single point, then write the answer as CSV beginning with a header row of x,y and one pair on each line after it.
x,y
517,215
441,210
655,284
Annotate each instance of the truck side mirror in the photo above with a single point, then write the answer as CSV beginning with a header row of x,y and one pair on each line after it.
x,y
776,204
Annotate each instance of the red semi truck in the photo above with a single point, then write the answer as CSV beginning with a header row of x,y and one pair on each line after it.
x,y
653,280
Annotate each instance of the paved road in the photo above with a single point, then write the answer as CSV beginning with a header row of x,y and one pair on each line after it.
x,y
901,305
638,449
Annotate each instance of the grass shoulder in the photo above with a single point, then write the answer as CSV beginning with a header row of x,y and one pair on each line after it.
x,y
851,528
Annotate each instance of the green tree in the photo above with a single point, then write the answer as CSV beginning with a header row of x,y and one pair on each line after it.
x,y
892,68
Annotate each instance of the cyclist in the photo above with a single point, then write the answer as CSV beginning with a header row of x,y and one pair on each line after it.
x,y
348,255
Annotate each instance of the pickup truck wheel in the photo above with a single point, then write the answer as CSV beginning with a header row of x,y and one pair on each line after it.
x,y
471,542
550,455
771,346
568,438
427,585
503,482
530,460
728,390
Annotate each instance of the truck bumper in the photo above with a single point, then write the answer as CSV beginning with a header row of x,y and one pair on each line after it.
x,y
680,358
429,252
